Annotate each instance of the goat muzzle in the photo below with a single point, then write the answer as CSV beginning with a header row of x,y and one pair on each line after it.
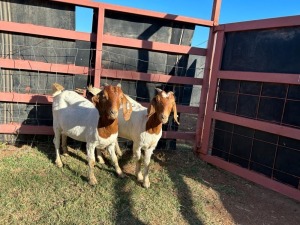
x,y
113,114
164,118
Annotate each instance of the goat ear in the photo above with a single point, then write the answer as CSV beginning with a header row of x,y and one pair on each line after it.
x,y
158,90
126,112
151,108
175,113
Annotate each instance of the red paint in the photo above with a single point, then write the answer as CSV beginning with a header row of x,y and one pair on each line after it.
x,y
19,64
25,98
282,78
147,13
16,128
99,45
211,94
150,77
260,24
211,114
258,125
154,46
30,29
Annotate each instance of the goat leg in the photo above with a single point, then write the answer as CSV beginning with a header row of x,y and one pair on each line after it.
x,y
148,154
56,142
64,144
111,150
138,155
91,161
118,150
99,156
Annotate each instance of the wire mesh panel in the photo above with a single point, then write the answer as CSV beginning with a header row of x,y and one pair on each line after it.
x,y
275,156
272,102
252,124
141,50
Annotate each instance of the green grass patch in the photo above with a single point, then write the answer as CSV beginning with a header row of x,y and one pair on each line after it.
x,y
34,191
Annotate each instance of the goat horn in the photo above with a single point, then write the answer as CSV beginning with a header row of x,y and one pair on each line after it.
x,y
158,89
105,84
119,85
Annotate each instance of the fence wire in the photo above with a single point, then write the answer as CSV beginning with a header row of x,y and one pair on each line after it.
x,y
18,80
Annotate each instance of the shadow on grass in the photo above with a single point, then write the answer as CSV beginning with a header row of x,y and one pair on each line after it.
x,y
123,206
78,154
183,191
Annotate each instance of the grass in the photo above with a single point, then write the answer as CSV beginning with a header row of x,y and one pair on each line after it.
x,y
34,191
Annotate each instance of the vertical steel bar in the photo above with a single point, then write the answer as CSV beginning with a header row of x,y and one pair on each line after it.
x,y
99,46
215,15
212,90
207,69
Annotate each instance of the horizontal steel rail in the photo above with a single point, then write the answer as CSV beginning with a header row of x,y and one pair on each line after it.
x,y
282,78
37,30
213,115
272,23
253,176
18,64
17,128
141,12
258,125
14,97
101,40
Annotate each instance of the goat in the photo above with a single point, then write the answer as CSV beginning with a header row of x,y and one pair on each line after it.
x,y
91,92
144,128
95,123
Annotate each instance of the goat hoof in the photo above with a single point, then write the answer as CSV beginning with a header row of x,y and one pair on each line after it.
x,y
146,185
100,160
93,181
59,164
140,178
121,175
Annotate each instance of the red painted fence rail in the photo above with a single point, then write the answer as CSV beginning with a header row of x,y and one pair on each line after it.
x,y
100,39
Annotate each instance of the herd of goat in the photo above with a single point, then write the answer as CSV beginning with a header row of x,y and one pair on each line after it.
x,y
100,119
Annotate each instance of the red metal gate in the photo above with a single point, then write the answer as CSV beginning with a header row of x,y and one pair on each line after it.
x,y
100,39
228,87
213,79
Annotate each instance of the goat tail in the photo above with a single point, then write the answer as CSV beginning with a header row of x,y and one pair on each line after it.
x,y
56,89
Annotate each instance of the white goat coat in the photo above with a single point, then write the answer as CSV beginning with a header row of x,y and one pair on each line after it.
x,y
78,118
135,128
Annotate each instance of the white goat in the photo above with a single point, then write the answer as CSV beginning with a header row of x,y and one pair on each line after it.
x,y
95,123
144,128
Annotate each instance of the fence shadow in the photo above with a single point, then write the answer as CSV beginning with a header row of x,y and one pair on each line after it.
x,y
183,191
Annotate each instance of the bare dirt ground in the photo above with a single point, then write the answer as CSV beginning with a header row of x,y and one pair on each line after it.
x,y
246,202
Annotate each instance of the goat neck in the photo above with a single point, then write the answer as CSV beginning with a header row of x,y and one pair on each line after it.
x,y
107,127
153,125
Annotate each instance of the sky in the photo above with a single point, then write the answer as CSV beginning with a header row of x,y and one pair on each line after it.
x,y
231,11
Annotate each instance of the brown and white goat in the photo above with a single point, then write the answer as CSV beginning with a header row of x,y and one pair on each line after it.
x,y
144,128
94,123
